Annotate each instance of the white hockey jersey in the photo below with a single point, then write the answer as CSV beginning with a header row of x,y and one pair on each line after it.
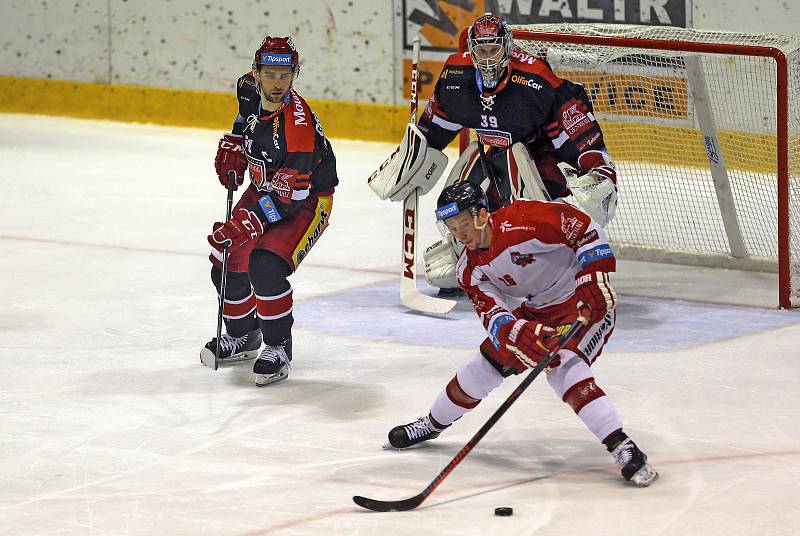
x,y
537,249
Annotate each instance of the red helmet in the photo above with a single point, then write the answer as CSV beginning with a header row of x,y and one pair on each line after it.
x,y
277,51
490,30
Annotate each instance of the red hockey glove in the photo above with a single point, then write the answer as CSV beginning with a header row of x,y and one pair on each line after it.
x,y
230,157
242,228
594,290
530,341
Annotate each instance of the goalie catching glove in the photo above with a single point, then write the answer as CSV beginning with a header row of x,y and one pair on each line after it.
x,y
529,341
595,193
413,165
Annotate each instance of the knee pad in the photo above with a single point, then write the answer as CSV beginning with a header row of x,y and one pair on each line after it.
x,y
237,284
268,273
477,377
572,370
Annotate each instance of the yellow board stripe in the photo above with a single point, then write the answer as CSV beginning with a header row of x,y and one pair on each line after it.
x,y
626,141
180,107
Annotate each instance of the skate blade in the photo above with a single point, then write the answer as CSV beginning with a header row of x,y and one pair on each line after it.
x,y
267,379
644,476
207,358
238,358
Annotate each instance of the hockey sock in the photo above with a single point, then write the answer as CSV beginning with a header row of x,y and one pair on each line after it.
x,y
238,309
273,293
473,382
593,407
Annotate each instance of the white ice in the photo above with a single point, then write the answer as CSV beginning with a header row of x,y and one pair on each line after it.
x,y
109,424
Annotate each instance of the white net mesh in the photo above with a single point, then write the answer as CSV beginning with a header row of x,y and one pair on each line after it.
x,y
694,137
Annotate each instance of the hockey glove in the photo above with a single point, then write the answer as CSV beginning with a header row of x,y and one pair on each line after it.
x,y
530,341
241,229
230,157
594,290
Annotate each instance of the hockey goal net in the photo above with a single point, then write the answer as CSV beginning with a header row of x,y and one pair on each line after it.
x,y
705,129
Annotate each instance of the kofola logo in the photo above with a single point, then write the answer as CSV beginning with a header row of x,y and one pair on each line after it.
x,y
275,59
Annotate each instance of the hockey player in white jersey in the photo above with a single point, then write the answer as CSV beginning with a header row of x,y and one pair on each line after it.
x,y
543,139
556,260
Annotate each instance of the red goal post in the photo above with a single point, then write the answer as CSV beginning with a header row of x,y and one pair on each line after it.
x,y
705,129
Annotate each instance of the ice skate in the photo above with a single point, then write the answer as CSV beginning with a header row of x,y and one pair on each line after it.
x,y
273,363
633,463
406,435
232,349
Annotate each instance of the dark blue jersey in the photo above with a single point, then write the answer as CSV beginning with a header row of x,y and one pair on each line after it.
x,y
288,155
552,117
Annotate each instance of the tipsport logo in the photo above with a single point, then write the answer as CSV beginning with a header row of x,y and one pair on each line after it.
x,y
275,59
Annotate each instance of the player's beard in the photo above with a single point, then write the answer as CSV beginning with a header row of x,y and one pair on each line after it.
x,y
277,100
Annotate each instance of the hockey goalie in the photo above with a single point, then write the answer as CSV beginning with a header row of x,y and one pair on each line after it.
x,y
542,136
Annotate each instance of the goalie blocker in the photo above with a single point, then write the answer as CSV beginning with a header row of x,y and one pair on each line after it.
x,y
413,165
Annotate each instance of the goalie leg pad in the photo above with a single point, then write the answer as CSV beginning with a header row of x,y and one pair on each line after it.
x,y
467,161
526,182
413,165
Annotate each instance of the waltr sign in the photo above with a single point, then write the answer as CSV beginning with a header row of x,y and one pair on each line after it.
x,y
440,21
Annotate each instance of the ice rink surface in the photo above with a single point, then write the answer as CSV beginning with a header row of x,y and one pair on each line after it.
x,y
109,424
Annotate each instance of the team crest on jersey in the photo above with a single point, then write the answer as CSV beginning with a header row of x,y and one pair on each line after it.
x,y
571,227
573,119
522,259
258,172
487,101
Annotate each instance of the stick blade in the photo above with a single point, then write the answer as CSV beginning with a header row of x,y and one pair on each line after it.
x,y
389,506
416,300
209,359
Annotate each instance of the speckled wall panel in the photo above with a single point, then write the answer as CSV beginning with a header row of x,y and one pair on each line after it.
x,y
346,53
763,16
53,39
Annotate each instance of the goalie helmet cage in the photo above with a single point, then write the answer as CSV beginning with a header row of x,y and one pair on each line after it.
x,y
704,127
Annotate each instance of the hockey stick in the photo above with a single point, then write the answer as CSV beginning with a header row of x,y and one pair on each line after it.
x,y
410,296
487,168
413,502
224,280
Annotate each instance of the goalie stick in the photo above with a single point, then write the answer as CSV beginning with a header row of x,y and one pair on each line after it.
x,y
410,296
223,281
412,502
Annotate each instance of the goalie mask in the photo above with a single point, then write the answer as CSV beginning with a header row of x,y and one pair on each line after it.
x,y
276,51
490,45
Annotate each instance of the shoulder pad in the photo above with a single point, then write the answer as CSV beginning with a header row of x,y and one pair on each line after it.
x,y
528,66
459,58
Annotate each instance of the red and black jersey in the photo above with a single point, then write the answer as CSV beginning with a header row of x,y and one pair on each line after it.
x,y
553,117
288,156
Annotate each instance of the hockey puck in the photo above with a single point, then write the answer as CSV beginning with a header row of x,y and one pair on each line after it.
x,y
503,511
